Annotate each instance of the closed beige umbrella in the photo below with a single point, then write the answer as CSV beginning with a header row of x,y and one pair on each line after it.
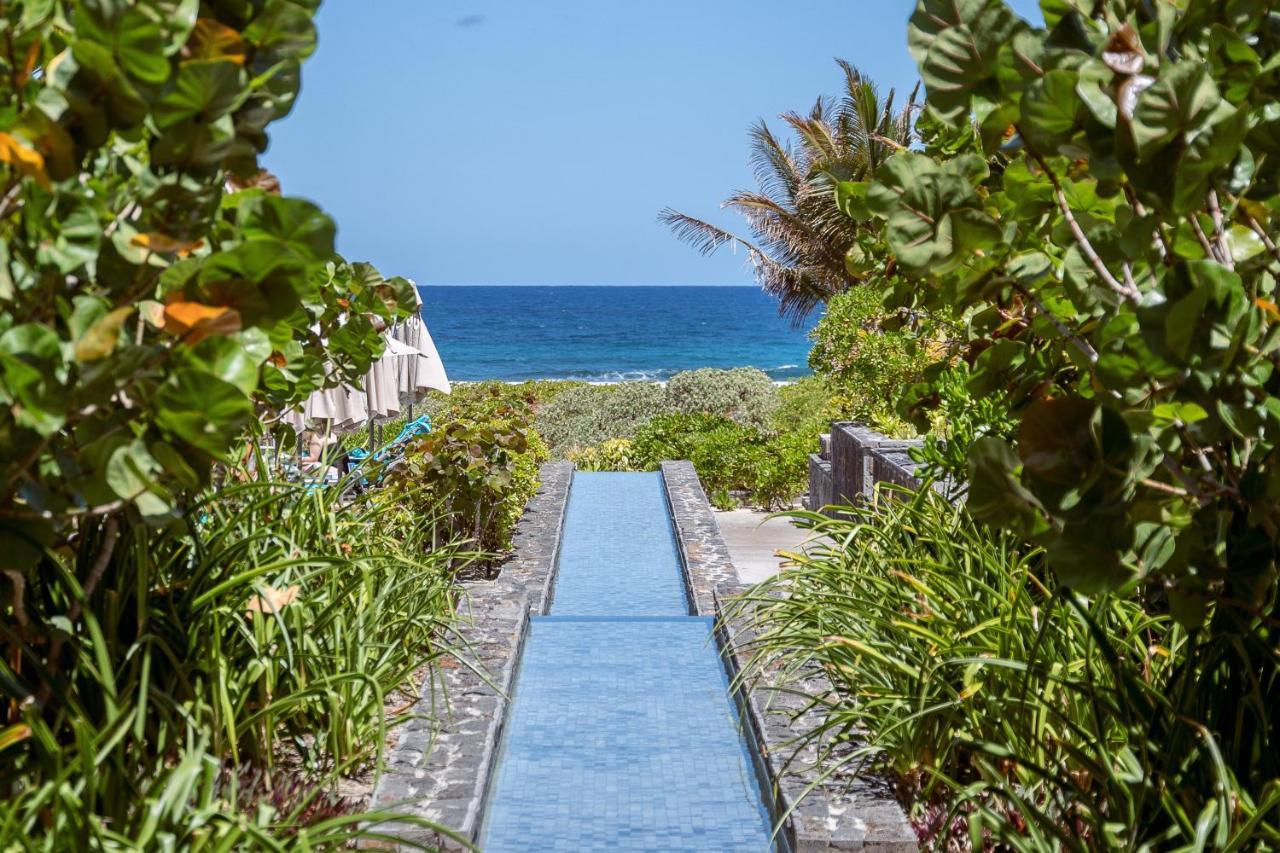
x,y
424,370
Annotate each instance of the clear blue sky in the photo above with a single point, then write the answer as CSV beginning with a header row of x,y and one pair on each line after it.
x,y
520,142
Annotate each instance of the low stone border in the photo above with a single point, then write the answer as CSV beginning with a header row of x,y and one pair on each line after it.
x,y
439,768
847,812
706,559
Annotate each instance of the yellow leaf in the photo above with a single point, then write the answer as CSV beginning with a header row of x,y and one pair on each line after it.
x,y
101,338
26,160
212,39
13,734
166,245
194,321
272,599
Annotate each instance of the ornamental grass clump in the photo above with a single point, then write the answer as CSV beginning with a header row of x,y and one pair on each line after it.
x,y
267,629
1007,708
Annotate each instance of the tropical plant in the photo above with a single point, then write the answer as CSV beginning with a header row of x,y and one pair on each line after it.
x,y
1008,709
478,468
160,297
801,240
868,363
265,630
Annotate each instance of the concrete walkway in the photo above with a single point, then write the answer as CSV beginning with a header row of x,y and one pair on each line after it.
x,y
754,540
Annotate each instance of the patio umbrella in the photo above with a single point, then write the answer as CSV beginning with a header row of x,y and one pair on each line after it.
x,y
424,370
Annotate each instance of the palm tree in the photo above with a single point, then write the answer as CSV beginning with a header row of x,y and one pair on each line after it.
x,y
801,236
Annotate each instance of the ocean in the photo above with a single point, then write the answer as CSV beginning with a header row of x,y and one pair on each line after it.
x,y
610,334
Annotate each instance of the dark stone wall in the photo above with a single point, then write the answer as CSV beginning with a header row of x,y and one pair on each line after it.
x,y
439,767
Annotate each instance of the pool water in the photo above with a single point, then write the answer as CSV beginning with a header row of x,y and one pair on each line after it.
x,y
622,733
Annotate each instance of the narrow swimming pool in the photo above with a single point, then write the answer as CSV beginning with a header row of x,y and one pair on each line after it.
x,y
622,734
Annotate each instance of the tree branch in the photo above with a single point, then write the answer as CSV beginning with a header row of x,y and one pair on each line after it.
x,y
1220,235
1131,294
1080,343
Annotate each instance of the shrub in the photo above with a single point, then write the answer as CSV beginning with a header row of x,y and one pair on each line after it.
x,y
778,472
616,454
867,364
477,469
589,414
745,395
715,445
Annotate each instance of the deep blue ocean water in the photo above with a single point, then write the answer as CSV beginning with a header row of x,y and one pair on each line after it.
x,y
609,334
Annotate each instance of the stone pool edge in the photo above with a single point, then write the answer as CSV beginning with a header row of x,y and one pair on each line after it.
x,y
440,767
852,813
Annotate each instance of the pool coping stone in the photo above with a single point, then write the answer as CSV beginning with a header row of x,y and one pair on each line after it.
x,y
854,811
440,766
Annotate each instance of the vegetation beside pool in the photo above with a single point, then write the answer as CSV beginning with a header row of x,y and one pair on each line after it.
x,y
1076,234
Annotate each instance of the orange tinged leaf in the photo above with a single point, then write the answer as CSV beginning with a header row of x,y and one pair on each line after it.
x,y
272,599
195,321
101,338
29,63
13,734
1268,307
25,159
165,245
212,39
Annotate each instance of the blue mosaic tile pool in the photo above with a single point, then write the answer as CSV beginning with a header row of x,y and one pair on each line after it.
x,y
618,556
623,738
622,734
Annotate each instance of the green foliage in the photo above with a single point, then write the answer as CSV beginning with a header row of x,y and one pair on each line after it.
x,y
587,415
148,313
1045,720
158,298
590,414
267,627
615,454
478,468
731,459
867,362
1101,230
745,395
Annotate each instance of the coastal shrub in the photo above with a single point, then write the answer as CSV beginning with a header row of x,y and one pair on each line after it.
x,y
586,415
721,450
476,470
745,395
867,363
778,472
616,454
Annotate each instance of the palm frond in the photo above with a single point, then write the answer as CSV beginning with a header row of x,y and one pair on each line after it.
x,y
702,236
800,235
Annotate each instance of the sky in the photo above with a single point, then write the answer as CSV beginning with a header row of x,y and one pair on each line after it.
x,y
521,142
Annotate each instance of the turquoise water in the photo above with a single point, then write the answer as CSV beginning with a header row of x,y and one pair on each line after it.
x,y
622,734
610,334
618,556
